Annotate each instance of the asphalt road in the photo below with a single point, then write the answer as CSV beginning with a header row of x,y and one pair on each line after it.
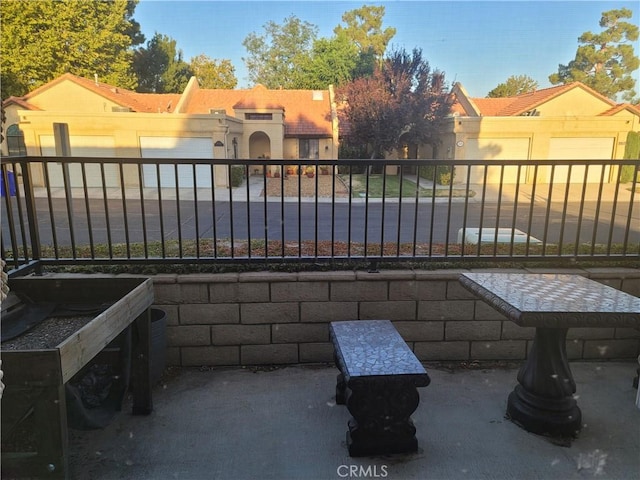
x,y
119,221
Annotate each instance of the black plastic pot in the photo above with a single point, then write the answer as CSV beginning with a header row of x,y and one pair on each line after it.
x,y
158,343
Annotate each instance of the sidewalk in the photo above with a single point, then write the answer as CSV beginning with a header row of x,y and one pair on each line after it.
x,y
235,424
255,186
490,193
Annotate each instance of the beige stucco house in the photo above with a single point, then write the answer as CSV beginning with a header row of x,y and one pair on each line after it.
x,y
566,122
106,121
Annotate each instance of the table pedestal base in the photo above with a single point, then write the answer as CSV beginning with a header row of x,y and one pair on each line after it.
x,y
543,403
544,416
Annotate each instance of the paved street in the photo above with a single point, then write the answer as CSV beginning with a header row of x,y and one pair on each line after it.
x,y
193,215
340,222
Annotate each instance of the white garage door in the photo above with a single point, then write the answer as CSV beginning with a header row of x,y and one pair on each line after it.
x,y
497,149
177,147
83,146
580,149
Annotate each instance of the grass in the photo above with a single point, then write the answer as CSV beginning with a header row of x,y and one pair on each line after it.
x,y
392,187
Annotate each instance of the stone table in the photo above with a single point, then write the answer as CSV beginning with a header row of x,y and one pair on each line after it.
x,y
544,402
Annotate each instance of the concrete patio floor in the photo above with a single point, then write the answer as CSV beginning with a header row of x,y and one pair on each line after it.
x,y
284,424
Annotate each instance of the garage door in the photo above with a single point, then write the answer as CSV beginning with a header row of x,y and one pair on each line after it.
x,y
497,149
83,146
177,147
580,149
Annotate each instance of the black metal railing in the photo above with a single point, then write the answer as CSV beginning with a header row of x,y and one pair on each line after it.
x,y
60,211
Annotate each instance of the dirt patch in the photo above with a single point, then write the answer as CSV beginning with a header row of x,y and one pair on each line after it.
x,y
48,334
293,186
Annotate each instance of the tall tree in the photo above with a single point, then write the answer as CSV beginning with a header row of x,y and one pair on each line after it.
x,y
605,61
160,67
213,73
363,26
274,57
332,61
514,85
403,98
44,39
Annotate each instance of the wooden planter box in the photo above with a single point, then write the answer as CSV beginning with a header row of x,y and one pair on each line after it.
x,y
34,400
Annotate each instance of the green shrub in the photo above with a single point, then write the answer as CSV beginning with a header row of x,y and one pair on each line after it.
x,y
346,151
631,152
626,173
237,175
354,169
444,178
443,173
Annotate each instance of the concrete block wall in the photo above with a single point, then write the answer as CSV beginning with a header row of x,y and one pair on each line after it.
x,y
262,318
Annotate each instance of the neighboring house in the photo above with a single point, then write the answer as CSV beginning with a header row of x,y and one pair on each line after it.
x,y
566,122
106,121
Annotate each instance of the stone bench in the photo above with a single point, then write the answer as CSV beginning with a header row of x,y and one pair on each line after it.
x,y
378,380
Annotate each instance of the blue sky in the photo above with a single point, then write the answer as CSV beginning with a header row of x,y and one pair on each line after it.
x,y
477,43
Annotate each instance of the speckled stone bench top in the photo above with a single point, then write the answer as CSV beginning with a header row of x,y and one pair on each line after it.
x,y
369,348
554,300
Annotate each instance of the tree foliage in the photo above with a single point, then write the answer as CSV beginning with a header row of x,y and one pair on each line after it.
x,y
43,39
213,73
160,67
289,55
363,26
605,61
514,85
274,57
403,98
333,61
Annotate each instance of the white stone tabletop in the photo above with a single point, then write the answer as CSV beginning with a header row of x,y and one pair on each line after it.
x,y
554,300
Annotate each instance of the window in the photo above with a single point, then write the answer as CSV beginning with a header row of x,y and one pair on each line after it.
x,y
258,116
309,148
15,141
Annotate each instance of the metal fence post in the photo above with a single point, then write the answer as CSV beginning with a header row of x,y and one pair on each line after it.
x,y
32,215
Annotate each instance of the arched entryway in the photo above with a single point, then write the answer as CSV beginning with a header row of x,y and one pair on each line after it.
x,y
259,148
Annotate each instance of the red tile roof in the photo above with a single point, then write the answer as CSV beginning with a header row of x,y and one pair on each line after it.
x,y
458,108
259,97
303,115
528,101
19,101
137,102
620,107
517,105
491,107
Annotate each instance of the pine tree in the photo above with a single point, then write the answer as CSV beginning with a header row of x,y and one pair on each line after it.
x,y
605,61
515,85
160,67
